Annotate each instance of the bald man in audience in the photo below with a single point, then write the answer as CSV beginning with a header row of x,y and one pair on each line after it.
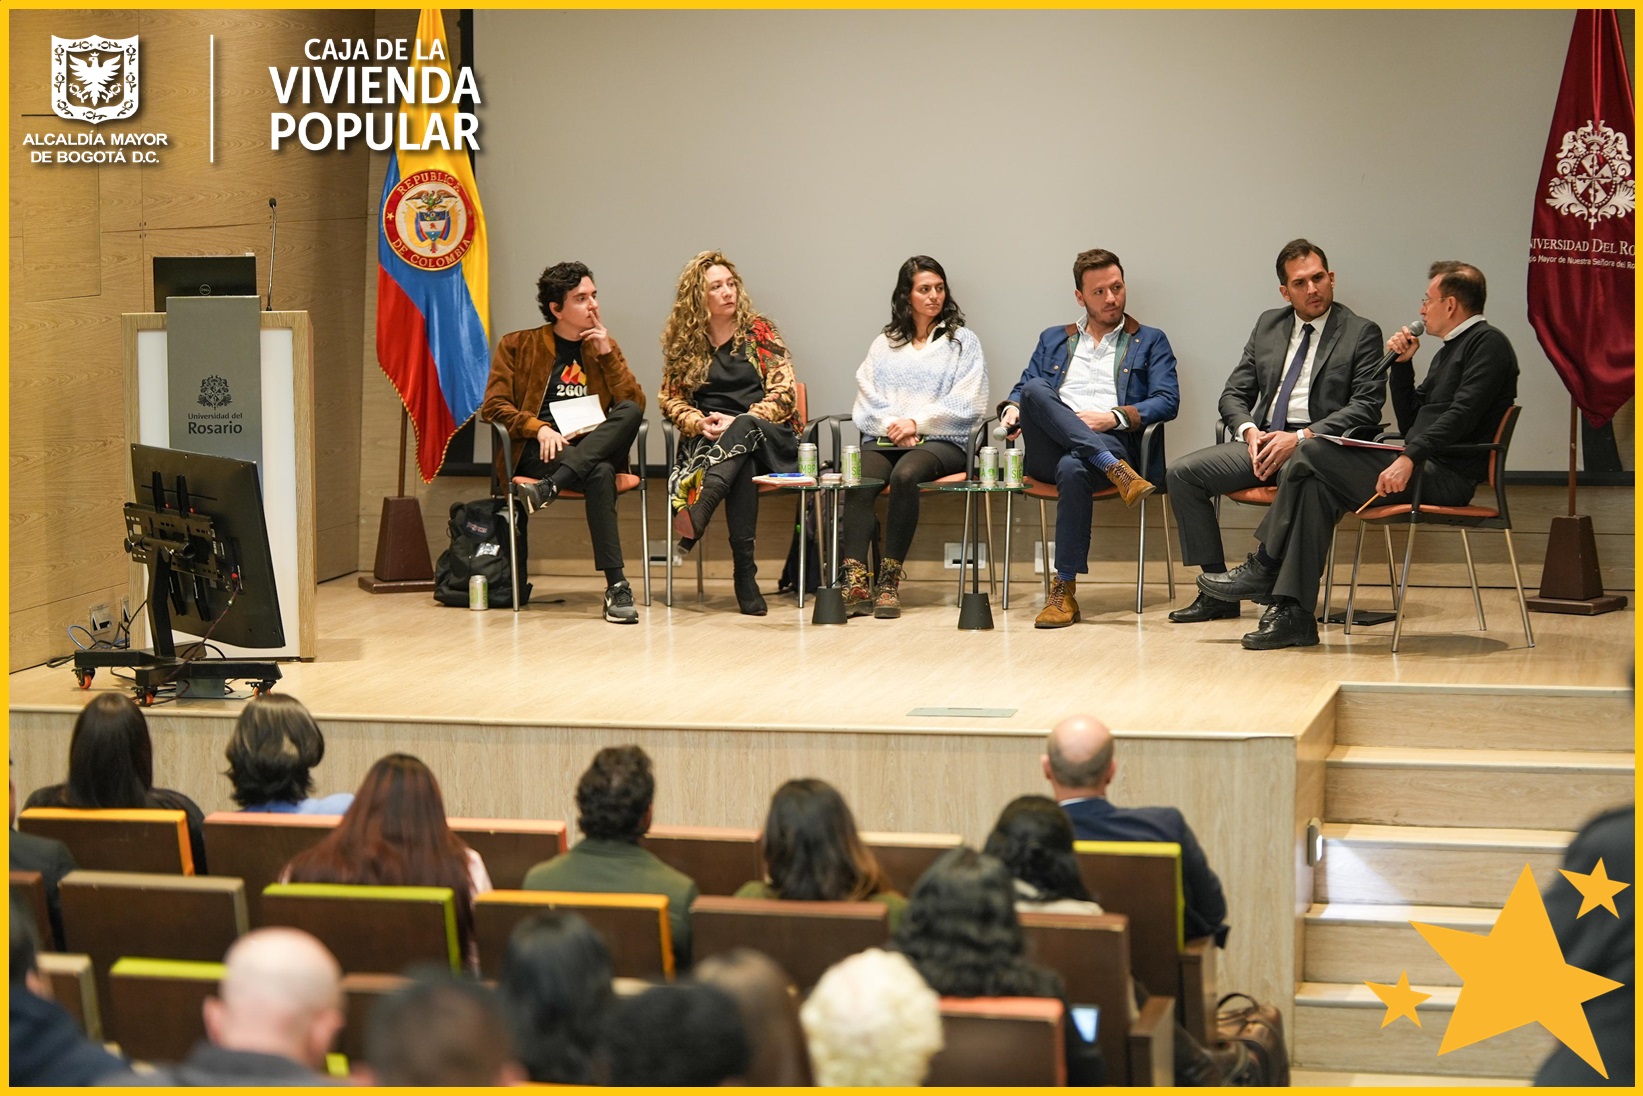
x,y
1079,764
276,1014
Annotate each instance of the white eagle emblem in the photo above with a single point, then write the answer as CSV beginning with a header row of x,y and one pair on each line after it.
x,y
1594,175
94,79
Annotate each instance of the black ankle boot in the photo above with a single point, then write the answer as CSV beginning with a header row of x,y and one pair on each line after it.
x,y
748,598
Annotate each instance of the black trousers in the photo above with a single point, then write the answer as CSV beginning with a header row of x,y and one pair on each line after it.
x,y
1316,488
1195,481
902,470
593,459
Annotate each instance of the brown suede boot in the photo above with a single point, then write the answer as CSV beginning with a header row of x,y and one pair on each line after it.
x,y
1131,487
887,599
856,584
1061,610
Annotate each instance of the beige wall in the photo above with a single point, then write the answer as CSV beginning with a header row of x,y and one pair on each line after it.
x,y
81,241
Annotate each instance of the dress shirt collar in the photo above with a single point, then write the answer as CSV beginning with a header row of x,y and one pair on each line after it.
x,y
1100,799
1111,336
1465,325
1317,326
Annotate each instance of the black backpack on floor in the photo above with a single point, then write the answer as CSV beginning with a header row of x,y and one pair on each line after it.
x,y
479,546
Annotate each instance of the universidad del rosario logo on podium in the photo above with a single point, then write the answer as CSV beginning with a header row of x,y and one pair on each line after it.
x,y
94,79
428,220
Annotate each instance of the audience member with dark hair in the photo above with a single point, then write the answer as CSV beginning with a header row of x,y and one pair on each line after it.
x,y
47,1046
614,801
275,1015
962,933
111,766
50,858
556,988
439,1030
1034,839
674,1035
812,852
769,1005
275,747
395,834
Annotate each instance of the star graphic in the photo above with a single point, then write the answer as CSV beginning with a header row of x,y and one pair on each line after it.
x,y
1399,1000
1596,889
1516,975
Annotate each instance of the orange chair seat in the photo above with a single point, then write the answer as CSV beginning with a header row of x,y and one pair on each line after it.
x,y
625,482
1403,508
1036,489
1254,496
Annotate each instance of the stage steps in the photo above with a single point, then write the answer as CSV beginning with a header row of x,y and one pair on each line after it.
x,y
1435,799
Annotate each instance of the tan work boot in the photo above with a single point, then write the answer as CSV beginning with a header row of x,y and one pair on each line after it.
x,y
856,584
1061,610
887,598
1131,487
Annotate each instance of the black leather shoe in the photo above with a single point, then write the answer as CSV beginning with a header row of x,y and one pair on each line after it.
x,y
1288,625
1206,608
1248,581
536,495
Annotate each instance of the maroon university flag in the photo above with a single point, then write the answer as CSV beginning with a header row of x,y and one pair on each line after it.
x,y
1583,246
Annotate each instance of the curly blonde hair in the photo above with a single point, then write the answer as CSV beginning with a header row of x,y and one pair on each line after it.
x,y
686,349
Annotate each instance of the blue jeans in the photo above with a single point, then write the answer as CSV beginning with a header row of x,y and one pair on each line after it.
x,y
1061,448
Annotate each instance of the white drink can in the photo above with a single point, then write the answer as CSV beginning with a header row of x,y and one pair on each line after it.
x,y
479,597
807,459
852,464
989,466
1013,467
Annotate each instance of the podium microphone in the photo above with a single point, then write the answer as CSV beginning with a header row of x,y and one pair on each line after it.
x,y
273,233
1417,329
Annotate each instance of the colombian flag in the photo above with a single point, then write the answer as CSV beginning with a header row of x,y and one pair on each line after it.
x,y
433,280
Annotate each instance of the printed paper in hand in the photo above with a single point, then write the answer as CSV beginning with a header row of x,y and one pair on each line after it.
x,y
576,417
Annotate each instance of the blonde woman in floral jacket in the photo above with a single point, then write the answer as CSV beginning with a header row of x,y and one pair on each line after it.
x,y
727,385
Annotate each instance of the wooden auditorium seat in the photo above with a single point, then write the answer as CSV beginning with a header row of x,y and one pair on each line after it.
x,y
360,994
376,930
1000,1041
1091,953
634,927
109,915
907,856
804,938
255,847
75,988
719,858
142,840
28,891
1142,880
511,847
156,1005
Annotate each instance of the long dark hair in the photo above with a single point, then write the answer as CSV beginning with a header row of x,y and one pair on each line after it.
x,y
110,757
811,849
961,931
901,329
1034,839
275,745
556,989
395,834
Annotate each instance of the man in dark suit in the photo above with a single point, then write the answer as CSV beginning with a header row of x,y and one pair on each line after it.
x,y
1079,764
1311,368
1468,388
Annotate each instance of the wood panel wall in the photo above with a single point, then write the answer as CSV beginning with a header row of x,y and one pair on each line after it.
x,y
81,240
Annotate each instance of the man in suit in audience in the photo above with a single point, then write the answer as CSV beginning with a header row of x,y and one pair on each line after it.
x,y
1079,764
275,1016
1470,384
1086,395
1313,367
613,804
569,357
50,858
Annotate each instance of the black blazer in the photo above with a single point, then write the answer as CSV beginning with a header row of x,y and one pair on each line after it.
x,y
1347,388
1096,819
1468,387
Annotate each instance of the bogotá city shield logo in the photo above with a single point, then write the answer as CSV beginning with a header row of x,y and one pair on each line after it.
x,y
1594,175
428,220
94,79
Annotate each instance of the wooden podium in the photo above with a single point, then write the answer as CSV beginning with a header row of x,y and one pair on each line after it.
x,y
286,459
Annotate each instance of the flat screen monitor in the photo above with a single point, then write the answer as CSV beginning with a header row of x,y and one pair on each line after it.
x,y
223,580
203,276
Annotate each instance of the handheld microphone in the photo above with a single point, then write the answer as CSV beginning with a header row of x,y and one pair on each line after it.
x,y
1417,329
273,233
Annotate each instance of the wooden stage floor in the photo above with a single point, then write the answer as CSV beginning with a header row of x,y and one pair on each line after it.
x,y
701,664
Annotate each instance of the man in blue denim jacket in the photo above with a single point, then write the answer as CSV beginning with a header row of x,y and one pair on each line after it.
x,y
1089,391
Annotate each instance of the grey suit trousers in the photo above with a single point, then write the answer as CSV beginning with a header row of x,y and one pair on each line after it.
x,y
1194,482
1318,486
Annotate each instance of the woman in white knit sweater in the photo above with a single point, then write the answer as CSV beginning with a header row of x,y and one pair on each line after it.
x,y
919,394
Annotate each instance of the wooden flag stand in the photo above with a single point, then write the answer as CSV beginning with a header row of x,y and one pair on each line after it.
x,y
403,565
1571,581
